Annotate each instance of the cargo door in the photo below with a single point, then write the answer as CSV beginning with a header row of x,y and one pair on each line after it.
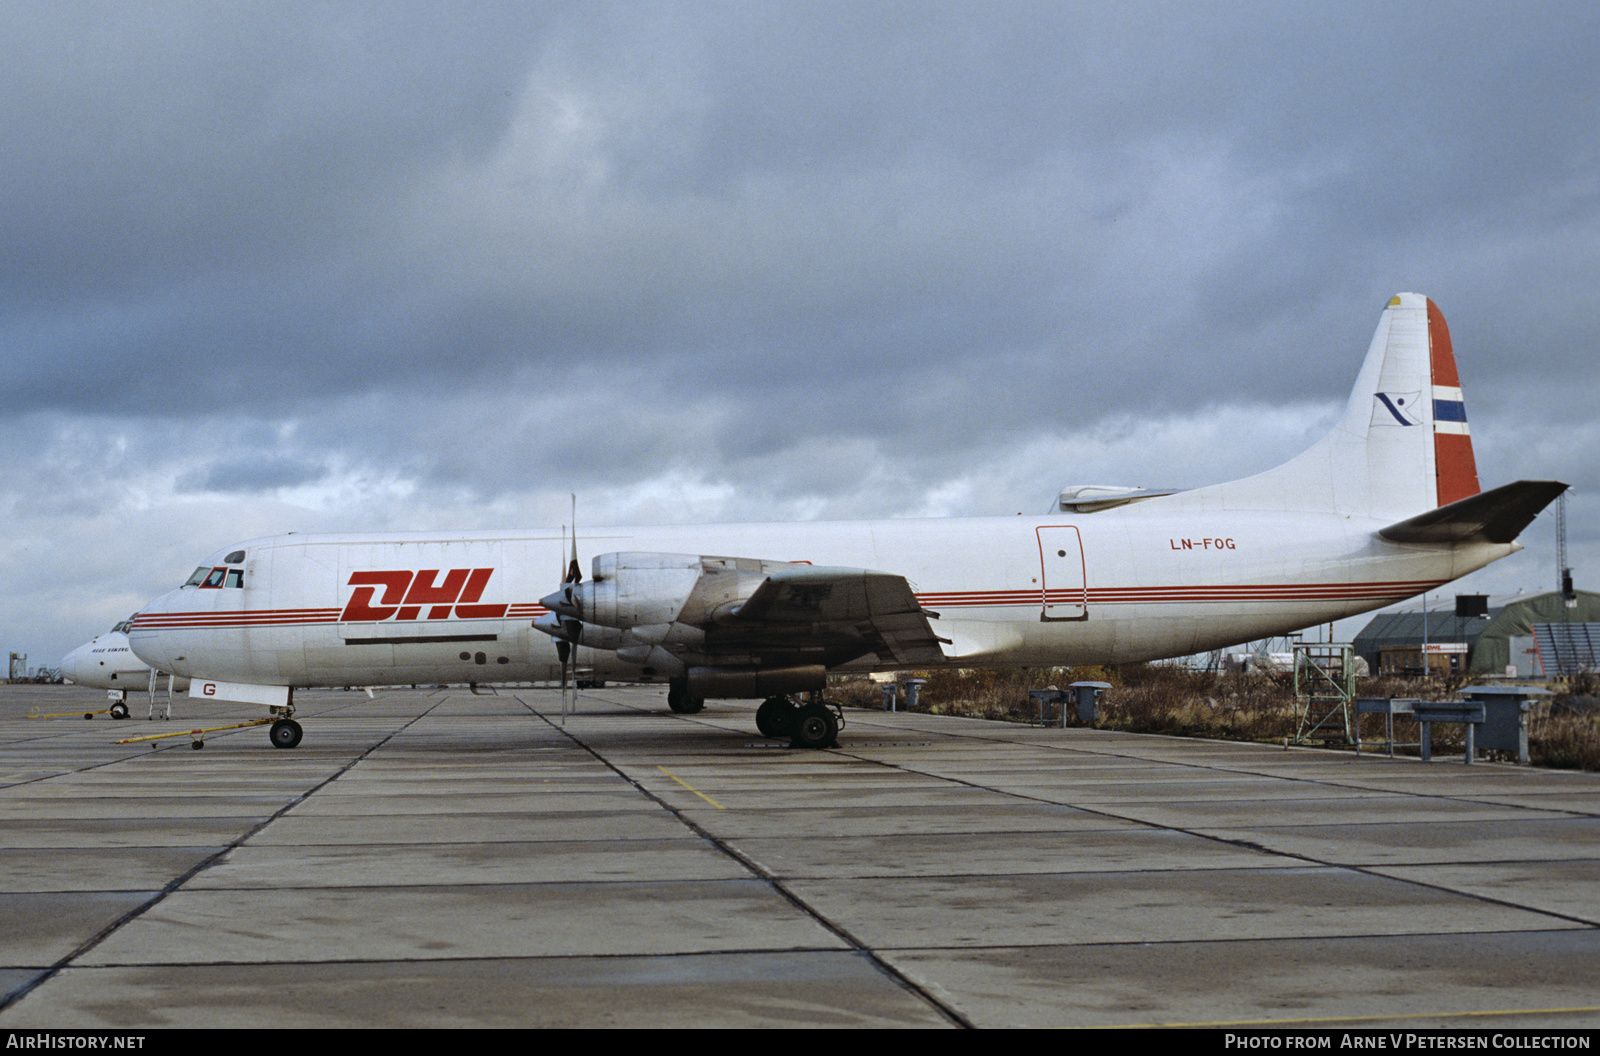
x,y
1062,584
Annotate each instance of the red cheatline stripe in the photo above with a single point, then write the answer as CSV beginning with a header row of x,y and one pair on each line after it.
x,y
159,619
948,599
272,617
1239,592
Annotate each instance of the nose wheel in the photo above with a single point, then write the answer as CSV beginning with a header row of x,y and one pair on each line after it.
x,y
285,733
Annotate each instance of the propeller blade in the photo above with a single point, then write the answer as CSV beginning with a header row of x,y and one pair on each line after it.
x,y
574,572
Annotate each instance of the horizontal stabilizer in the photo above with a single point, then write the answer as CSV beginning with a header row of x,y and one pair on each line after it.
x,y
1496,516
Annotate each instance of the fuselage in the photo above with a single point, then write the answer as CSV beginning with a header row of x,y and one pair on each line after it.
x,y
1121,585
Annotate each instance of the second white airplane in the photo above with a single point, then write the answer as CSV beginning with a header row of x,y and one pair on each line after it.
x,y
107,662
1386,506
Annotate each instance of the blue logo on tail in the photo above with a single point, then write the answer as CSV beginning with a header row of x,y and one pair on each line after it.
x,y
1396,408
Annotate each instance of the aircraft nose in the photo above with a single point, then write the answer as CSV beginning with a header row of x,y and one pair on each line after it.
x,y
152,644
72,665
149,647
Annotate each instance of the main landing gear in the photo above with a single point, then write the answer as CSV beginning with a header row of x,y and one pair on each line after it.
x,y
679,700
813,724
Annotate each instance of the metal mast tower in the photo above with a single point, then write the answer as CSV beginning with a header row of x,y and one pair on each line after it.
x,y
1563,571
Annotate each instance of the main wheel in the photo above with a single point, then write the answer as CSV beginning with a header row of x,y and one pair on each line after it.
x,y
679,700
285,733
774,716
813,726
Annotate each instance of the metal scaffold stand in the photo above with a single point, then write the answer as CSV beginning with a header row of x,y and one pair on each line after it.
x,y
1324,687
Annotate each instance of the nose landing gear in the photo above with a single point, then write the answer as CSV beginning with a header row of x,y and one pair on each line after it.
x,y
285,733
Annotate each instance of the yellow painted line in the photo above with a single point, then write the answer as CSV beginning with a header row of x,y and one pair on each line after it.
x,y
67,714
1354,1019
691,788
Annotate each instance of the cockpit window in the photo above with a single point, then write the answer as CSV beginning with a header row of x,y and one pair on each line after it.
x,y
235,558
122,628
216,576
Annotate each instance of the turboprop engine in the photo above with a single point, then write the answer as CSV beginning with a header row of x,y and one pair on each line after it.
x,y
630,590
639,591
741,627
651,607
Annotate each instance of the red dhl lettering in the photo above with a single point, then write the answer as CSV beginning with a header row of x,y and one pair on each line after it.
x,y
405,594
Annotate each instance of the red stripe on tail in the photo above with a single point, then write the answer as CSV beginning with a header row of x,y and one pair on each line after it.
x,y
1455,467
1443,359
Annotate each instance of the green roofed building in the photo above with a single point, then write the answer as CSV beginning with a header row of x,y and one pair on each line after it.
x,y
1505,637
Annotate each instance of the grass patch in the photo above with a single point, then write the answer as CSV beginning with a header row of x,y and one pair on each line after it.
x,y
1160,698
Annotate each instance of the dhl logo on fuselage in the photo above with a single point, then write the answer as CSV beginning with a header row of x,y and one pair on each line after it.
x,y
406,594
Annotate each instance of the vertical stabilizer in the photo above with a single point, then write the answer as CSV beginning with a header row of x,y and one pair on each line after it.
x,y
1402,445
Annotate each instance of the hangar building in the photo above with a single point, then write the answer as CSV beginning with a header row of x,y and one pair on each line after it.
x,y
1505,639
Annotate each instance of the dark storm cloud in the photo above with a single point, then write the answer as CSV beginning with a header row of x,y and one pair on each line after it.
x,y
191,182
234,189
753,196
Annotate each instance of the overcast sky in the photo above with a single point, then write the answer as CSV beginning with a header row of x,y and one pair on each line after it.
x,y
294,267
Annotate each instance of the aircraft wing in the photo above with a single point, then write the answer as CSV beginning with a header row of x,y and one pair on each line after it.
x,y
1495,516
836,611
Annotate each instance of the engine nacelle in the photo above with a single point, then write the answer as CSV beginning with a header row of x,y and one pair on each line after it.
x,y
636,589
568,629
755,681
654,657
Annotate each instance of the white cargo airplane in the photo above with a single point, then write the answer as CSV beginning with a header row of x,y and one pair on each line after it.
x,y
1386,506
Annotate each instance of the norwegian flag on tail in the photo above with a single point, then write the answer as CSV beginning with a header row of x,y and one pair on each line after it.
x,y
1456,469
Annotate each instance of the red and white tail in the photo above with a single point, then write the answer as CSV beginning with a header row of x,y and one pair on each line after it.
x,y
1402,445
1455,470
